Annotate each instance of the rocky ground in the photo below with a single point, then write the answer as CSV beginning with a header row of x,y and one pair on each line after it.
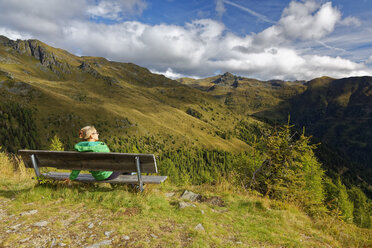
x,y
53,225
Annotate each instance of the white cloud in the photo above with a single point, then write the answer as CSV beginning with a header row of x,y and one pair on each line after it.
x,y
351,21
116,9
220,8
169,73
369,59
301,21
197,48
14,35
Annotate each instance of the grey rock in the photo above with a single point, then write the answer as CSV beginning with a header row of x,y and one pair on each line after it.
x,y
25,240
15,226
153,236
199,227
97,245
28,213
126,237
108,233
61,244
185,204
188,195
91,225
41,223
170,194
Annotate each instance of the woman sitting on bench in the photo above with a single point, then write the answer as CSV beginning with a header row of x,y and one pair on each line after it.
x,y
91,144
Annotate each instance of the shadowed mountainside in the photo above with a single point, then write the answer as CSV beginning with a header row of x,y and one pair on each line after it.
x,y
337,112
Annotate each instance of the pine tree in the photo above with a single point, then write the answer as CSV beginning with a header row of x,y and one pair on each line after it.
x,y
337,200
345,205
56,144
361,215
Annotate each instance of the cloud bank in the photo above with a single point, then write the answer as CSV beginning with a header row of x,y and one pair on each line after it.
x,y
198,48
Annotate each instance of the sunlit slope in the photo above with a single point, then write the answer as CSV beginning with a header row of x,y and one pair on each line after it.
x,y
122,99
246,95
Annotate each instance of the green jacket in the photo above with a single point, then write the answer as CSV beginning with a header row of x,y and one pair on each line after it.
x,y
86,146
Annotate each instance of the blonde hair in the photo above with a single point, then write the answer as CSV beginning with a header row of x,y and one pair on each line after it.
x,y
86,132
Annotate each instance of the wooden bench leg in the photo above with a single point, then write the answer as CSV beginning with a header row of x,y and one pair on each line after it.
x,y
138,165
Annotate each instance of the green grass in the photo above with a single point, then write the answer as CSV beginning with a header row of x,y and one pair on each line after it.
x,y
151,219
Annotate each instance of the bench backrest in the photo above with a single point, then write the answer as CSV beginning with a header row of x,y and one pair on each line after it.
x,y
95,161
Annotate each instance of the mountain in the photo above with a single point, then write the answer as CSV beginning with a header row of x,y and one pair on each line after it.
x,y
246,95
337,112
58,93
46,91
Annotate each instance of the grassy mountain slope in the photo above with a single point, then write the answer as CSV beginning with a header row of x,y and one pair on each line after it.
x,y
67,92
337,112
246,95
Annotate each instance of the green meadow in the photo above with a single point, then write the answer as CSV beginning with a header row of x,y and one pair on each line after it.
x,y
80,215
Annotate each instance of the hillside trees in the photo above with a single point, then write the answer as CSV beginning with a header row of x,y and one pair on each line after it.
x,y
362,207
17,127
337,200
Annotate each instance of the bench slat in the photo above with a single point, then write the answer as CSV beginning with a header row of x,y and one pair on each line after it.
x,y
125,179
94,161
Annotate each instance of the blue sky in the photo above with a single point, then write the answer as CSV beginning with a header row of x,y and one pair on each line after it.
x,y
272,39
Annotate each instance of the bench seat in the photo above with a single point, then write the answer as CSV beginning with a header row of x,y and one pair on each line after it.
x,y
88,178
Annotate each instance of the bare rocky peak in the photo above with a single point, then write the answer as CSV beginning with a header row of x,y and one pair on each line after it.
x,y
40,51
227,79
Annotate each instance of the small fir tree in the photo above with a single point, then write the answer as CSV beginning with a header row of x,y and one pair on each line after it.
x,y
361,214
56,144
291,171
337,200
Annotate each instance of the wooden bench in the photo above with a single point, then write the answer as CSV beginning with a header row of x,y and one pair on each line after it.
x,y
94,161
